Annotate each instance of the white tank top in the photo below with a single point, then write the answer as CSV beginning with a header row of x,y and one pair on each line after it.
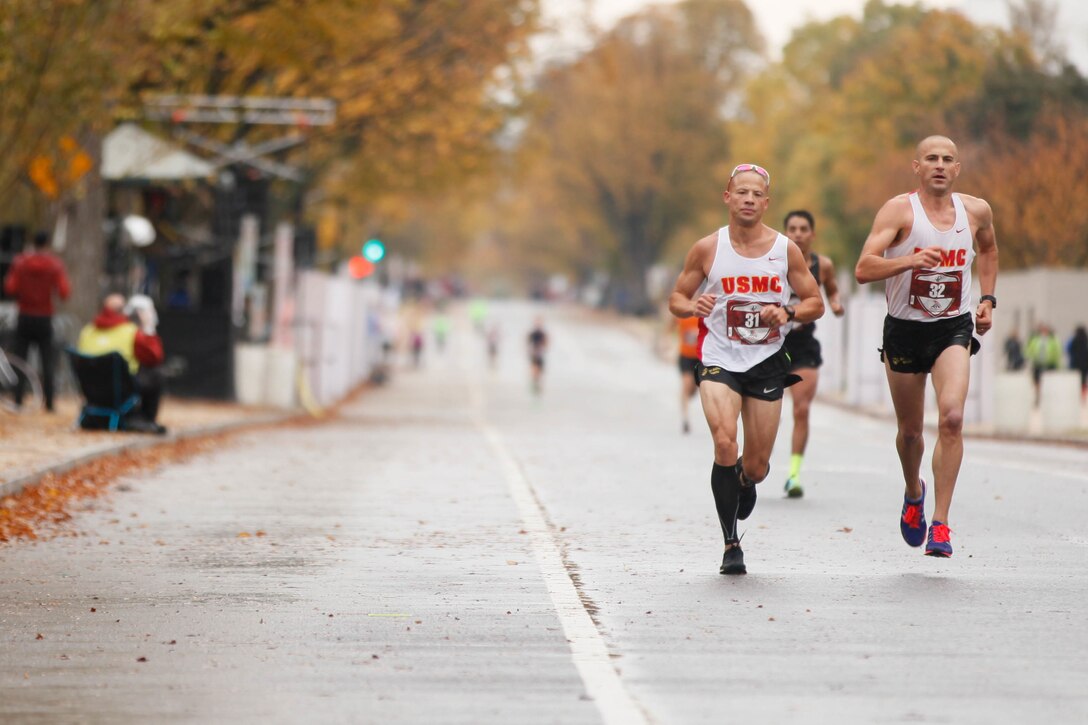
x,y
928,294
733,336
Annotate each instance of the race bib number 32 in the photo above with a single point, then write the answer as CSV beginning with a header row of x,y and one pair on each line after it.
x,y
936,293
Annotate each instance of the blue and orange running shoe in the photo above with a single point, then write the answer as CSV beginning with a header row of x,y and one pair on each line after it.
x,y
939,544
912,523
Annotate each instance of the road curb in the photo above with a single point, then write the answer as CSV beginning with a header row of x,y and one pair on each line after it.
x,y
16,485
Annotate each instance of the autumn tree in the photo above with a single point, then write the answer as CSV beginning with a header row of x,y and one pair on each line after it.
x,y
421,87
58,83
54,79
630,136
839,116
1038,21
1037,189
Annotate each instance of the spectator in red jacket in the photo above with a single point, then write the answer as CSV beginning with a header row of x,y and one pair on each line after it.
x,y
33,279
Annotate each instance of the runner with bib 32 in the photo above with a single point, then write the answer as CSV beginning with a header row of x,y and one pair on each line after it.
x,y
923,245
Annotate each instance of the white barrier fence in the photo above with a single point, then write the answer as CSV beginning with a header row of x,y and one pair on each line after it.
x,y
1003,400
334,345
335,341
1059,400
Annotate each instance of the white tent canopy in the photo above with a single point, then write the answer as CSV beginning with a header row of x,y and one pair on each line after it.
x,y
129,152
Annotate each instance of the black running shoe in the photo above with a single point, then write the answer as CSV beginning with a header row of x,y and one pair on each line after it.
x,y
733,560
747,497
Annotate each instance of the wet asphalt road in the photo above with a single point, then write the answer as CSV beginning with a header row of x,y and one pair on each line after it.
x,y
452,549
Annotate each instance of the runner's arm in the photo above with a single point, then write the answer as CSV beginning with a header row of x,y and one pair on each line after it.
x,y
831,285
986,259
691,277
803,284
894,216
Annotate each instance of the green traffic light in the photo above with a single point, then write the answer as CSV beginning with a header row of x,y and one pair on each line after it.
x,y
374,250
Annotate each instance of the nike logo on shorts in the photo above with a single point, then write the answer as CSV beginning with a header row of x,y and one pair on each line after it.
x,y
769,390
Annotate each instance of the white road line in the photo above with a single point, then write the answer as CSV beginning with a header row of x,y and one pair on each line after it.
x,y
587,647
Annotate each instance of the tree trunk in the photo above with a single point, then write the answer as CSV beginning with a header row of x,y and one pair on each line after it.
x,y
630,293
84,252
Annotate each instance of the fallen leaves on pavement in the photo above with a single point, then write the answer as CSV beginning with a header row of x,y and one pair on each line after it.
x,y
41,510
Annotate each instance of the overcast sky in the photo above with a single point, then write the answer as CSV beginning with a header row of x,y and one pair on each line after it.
x,y
777,18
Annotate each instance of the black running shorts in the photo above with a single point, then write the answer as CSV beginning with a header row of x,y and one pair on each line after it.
x,y
689,366
803,349
764,381
913,347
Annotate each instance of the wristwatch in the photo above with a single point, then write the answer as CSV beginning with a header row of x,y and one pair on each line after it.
x,y
991,298
790,312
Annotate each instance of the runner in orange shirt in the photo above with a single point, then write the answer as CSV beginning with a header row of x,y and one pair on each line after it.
x,y
688,330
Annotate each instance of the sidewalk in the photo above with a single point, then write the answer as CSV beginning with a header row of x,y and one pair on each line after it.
x,y
34,444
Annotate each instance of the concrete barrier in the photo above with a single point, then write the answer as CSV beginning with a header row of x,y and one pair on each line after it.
x,y
1014,397
1060,401
265,376
280,383
250,373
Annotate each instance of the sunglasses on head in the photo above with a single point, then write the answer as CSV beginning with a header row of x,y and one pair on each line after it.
x,y
741,168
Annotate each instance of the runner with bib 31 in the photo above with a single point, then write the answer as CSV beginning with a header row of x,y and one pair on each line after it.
x,y
749,271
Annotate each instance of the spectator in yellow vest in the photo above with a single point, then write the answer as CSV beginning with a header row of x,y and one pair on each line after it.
x,y
138,344
1045,353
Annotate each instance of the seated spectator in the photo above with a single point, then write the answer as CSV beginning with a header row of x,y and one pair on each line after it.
x,y
139,345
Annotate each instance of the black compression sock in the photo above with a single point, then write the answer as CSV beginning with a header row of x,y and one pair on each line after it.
x,y
725,484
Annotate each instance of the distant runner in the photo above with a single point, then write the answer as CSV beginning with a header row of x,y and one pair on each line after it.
x,y
538,345
802,345
688,361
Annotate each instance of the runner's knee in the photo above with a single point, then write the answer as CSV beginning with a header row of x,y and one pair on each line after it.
x,y
910,434
756,468
725,449
951,423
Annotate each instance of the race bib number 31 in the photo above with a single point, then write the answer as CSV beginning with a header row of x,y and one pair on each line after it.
x,y
936,293
744,324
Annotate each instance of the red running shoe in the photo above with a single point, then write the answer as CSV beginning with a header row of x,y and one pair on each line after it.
x,y
912,523
939,544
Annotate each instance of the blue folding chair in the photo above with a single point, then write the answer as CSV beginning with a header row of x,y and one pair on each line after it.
x,y
109,389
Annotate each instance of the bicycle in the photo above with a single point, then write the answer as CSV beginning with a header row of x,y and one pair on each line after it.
x,y
16,374
65,332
